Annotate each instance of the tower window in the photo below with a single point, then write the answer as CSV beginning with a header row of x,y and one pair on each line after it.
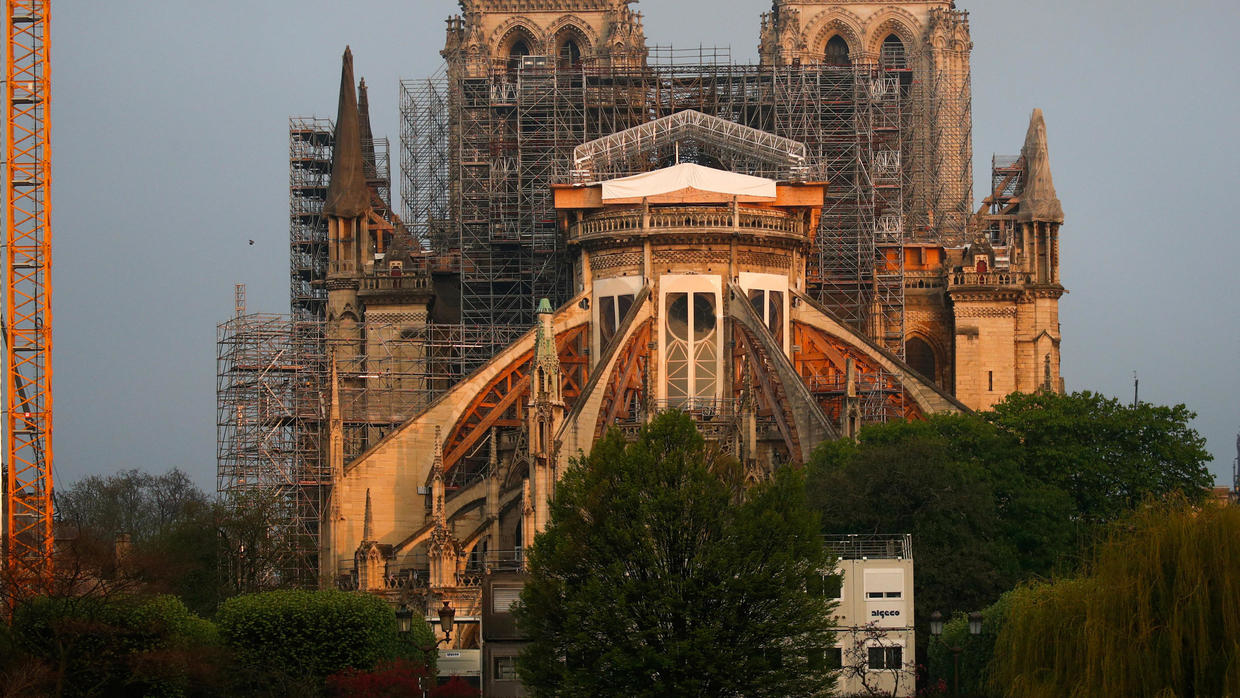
x,y
837,52
520,49
990,380
893,56
569,55
921,357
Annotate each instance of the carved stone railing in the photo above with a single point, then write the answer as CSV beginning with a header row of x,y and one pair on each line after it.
x,y
690,218
394,283
989,278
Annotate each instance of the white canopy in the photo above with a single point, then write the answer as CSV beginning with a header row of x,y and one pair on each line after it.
x,y
684,176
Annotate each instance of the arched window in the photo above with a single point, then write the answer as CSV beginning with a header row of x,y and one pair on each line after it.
x,y
893,56
837,52
520,49
921,357
568,55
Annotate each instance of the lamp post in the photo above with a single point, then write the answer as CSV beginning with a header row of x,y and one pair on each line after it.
x,y
936,630
404,619
447,618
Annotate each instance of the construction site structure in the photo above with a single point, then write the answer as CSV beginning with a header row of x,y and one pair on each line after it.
x,y
389,314
27,483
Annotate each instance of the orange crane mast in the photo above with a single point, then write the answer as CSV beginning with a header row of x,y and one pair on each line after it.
x,y
28,535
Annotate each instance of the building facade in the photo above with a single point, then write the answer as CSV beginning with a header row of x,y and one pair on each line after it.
x,y
595,229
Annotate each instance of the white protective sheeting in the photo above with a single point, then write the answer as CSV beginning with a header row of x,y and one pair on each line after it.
x,y
684,176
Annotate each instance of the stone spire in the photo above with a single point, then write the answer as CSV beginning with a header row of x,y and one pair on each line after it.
x,y
368,522
367,135
347,195
546,356
1037,197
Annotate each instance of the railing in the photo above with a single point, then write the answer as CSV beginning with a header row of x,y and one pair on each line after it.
x,y
990,278
870,546
839,384
394,283
685,218
497,561
407,578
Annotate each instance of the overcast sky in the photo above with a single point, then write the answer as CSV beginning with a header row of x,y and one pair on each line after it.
x,y
170,152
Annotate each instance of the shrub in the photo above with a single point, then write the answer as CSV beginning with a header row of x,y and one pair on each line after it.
x,y
394,679
125,646
314,633
455,688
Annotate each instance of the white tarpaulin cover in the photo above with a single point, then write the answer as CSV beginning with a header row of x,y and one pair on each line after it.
x,y
683,176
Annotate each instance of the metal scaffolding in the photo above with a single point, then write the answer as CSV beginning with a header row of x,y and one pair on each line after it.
x,y
507,134
310,167
480,147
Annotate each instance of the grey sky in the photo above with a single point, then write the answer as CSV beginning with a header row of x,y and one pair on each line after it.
x,y
170,153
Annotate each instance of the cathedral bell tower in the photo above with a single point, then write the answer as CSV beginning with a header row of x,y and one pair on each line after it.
x,y
346,206
1006,309
498,36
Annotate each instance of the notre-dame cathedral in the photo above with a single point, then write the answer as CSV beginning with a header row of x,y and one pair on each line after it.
x,y
595,229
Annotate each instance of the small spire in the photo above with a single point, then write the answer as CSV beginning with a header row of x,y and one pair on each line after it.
x,y
1038,201
368,523
347,195
367,135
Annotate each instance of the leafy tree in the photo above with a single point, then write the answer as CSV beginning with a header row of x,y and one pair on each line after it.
x,y
132,502
1106,455
1156,613
662,574
979,524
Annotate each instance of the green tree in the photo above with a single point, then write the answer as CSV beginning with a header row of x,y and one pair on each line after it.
x,y
132,502
1156,613
979,524
1106,455
662,574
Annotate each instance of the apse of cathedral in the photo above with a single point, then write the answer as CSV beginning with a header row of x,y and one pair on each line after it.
x,y
786,251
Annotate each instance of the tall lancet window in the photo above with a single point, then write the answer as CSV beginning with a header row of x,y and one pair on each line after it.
x,y
837,52
893,56
691,346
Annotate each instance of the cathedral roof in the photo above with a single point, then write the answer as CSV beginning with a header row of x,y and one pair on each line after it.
x,y
688,176
1038,201
347,195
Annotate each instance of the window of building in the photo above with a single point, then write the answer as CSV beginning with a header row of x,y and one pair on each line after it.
x,y
990,380
892,56
825,658
692,348
827,585
503,598
505,668
769,305
611,312
886,658
569,55
837,52
520,49
920,356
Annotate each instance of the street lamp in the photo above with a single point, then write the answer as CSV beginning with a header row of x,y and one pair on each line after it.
x,y
936,629
447,617
975,623
404,619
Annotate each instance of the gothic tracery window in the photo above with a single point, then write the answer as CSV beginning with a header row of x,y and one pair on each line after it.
x,y
837,52
893,55
692,349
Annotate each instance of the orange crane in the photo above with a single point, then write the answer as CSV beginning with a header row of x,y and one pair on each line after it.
x,y
28,512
